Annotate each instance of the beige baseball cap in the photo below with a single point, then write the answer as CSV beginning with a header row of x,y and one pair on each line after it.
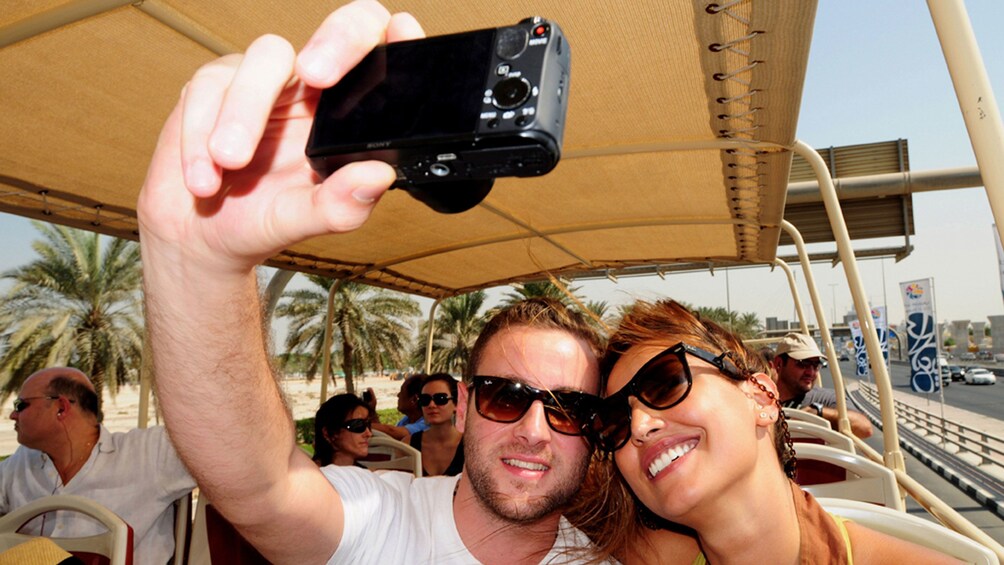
x,y
799,346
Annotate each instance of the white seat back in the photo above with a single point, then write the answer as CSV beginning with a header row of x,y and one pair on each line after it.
x,y
799,415
860,478
115,544
402,457
911,528
804,430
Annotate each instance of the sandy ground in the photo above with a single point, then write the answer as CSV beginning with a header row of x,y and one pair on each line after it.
x,y
121,412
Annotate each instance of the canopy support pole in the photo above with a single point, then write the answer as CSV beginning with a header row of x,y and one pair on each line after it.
x,y
794,295
893,457
432,330
975,95
843,423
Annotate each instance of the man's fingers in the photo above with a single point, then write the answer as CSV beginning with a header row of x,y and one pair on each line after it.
x,y
341,204
402,27
342,40
200,105
247,104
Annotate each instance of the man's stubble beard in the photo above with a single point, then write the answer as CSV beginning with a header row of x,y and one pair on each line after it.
x,y
477,467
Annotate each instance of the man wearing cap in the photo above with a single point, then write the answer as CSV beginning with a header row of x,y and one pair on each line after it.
x,y
796,361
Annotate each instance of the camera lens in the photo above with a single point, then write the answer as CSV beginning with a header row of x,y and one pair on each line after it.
x,y
510,93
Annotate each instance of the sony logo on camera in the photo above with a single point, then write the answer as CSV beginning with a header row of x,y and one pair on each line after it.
x,y
493,100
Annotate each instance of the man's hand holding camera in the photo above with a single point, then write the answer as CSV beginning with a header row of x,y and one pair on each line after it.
x,y
229,185
229,180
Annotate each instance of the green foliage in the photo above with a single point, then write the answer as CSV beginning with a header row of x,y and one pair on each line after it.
x,y
389,416
294,363
459,321
745,325
545,289
78,304
372,327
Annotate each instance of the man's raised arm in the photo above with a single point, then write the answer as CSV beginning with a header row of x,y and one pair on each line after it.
x,y
228,187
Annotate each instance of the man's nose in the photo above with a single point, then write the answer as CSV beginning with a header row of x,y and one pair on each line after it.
x,y
532,427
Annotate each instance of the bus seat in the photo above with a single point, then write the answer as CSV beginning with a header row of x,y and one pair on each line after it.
x,y
911,528
215,540
399,456
804,432
830,472
798,415
114,547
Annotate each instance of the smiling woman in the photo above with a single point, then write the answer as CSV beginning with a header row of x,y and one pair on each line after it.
x,y
701,455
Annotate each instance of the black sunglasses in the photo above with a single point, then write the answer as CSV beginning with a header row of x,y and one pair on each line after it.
x,y
440,398
357,425
505,401
22,403
663,382
807,363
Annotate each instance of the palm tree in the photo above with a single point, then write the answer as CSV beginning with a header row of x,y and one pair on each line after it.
x,y
459,321
598,314
746,325
76,305
545,289
372,327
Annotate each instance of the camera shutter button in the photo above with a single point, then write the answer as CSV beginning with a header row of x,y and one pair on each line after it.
x,y
511,43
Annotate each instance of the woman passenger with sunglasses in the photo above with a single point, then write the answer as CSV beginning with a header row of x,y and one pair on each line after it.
x,y
442,444
701,452
342,431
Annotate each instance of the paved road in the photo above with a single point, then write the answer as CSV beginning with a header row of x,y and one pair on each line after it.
x,y
982,399
964,404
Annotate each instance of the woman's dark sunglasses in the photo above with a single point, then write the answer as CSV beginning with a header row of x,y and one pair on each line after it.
x,y
662,383
506,401
440,398
357,425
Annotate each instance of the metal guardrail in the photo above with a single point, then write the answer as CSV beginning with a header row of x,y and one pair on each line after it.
x,y
989,449
942,512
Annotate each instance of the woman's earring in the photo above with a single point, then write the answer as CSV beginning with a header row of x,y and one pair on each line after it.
x,y
763,415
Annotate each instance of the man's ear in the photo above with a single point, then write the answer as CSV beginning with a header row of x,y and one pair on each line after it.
x,y
777,361
64,405
463,397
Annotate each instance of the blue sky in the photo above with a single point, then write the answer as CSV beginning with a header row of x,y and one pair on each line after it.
x,y
876,73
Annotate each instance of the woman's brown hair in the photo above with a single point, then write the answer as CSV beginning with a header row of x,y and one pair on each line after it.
x,y
607,511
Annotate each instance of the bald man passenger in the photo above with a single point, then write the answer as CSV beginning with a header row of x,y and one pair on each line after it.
x,y
65,450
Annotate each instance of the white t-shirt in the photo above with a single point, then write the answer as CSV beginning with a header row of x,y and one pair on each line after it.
x,y
135,474
392,517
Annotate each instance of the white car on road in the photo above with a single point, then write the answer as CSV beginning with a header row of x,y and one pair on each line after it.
x,y
980,376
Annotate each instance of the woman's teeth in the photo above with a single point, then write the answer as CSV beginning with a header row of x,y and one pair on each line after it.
x,y
674,453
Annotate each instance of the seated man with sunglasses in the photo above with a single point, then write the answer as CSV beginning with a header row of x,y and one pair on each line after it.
x,y
797,360
66,450
228,187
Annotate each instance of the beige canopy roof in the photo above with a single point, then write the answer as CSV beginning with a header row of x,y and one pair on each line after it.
x,y
674,149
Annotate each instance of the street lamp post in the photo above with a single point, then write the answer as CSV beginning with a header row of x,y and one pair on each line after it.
x,y
833,299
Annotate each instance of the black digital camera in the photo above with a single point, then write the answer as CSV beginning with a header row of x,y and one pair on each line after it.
x,y
451,113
